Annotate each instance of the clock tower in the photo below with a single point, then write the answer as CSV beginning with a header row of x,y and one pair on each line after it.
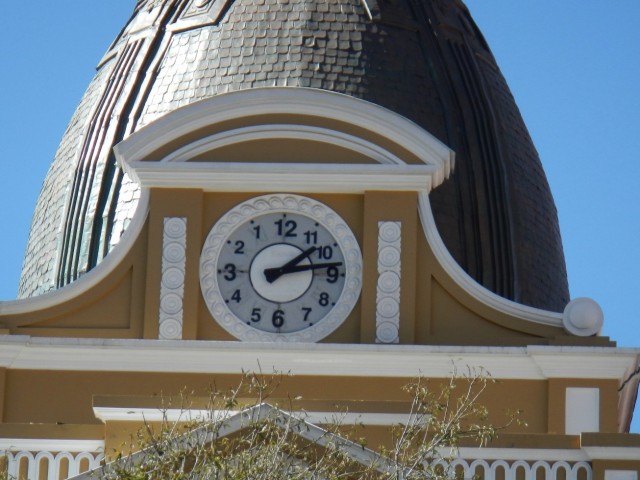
x,y
343,190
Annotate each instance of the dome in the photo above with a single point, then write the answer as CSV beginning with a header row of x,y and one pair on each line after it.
x,y
424,60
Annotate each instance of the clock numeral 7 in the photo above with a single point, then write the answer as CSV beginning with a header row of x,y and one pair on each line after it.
x,y
307,311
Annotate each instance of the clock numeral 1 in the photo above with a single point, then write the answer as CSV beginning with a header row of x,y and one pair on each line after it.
x,y
278,318
257,230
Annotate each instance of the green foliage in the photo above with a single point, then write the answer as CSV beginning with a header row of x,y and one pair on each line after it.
x,y
271,443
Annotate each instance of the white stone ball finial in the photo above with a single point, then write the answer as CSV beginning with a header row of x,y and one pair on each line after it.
x,y
583,317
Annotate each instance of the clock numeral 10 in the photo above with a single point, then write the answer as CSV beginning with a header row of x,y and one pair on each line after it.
x,y
325,253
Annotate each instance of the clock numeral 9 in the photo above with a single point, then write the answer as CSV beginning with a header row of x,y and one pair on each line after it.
x,y
278,318
332,274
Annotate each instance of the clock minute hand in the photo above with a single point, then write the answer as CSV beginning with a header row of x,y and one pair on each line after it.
x,y
272,274
310,266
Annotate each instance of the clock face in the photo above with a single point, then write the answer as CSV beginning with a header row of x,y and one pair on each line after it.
x,y
281,267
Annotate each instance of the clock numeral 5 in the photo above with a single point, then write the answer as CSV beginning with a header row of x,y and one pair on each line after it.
x,y
256,315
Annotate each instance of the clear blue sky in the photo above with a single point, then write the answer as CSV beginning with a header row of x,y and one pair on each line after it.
x,y
572,65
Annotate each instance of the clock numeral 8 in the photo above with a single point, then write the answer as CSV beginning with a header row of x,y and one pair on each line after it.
x,y
324,299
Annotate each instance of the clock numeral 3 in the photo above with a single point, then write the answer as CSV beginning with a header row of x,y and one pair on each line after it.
x,y
230,272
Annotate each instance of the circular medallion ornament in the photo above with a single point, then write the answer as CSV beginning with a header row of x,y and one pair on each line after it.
x,y
280,267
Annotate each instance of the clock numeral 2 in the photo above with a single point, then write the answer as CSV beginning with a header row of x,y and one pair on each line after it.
x,y
239,247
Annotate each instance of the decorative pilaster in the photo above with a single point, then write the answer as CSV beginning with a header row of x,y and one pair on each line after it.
x,y
174,243
388,289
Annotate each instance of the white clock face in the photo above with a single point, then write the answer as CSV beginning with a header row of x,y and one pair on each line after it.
x,y
281,267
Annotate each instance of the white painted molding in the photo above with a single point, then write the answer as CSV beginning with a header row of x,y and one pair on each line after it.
x,y
621,474
126,414
90,279
284,131
279,177
50,445
582,410
191,356
613,453
468,284
174,259
304,102
389,279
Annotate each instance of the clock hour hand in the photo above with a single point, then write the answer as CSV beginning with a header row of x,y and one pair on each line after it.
x,y
272,274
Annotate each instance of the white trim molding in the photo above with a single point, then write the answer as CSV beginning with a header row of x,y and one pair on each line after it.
x,y
90,279
471,286
174,258
388,286
301,102
363,360
286,132
281,177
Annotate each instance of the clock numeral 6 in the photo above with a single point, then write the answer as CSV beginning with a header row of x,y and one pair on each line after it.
x,y
256,315
278,318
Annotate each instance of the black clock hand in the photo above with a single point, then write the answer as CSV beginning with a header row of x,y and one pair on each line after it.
x,y
274,273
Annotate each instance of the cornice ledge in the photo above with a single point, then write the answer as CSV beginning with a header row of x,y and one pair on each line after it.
x,y
277,177
539,363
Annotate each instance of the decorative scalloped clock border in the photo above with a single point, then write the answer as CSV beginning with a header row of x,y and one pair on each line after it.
x,y
290,203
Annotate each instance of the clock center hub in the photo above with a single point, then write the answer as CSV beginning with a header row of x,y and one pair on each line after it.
x,y
287,287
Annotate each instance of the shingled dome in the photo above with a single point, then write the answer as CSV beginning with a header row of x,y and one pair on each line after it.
x,y
424,59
